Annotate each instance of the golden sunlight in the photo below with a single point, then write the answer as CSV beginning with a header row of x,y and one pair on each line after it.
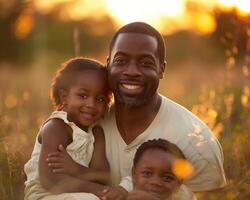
x,y
242,5
205,23
45,6
75,9
150,11
83,9
166,16
24,24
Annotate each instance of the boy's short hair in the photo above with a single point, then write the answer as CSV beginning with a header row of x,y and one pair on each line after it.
x,y
161,144
142,28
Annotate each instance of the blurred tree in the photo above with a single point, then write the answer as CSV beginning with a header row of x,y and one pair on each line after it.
x,y
9,12
232,32
26,34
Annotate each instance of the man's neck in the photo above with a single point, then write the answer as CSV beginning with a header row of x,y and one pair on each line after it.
x,y
132,121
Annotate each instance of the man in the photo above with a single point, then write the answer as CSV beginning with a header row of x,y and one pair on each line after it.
x,y
136,63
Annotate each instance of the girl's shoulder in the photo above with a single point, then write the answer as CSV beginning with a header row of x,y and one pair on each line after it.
x,y
55,128
57,121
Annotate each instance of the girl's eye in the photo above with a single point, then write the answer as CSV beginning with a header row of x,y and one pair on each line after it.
x,y
101,99
83,96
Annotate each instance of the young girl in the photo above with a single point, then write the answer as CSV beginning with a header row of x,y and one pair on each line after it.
x,y
80,95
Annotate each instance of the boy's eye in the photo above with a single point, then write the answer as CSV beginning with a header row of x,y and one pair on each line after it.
x,y
146,173
168,178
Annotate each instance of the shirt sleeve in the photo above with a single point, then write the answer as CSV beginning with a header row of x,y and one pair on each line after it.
x,y
204,152
127,183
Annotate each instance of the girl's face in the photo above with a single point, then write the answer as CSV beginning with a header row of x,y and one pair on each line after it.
x,y
87,98
153,173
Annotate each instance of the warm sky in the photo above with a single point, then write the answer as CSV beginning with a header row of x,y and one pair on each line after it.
x,y
177,14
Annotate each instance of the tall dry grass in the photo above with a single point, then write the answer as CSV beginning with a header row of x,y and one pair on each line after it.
x,y
224,104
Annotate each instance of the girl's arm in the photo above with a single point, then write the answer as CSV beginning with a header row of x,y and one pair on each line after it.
x,y
53,133
98,171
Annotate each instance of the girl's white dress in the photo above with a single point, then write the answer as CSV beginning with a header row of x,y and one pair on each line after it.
x,y
81,150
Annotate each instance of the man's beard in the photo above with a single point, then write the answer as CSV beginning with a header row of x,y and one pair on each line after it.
x,y
132,102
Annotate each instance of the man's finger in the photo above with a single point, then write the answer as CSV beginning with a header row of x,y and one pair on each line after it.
x,y
53,154
58,171
55,165
53,160
61,148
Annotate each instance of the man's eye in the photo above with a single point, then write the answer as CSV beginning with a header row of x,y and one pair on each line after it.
x,y
119,61
147,63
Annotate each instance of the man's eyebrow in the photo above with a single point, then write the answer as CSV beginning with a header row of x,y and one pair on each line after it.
x,y
148,56
119,53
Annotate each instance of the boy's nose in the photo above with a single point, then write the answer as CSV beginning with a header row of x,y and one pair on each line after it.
x,y
155,180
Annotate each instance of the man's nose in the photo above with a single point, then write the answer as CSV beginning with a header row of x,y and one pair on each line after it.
x,y
132,69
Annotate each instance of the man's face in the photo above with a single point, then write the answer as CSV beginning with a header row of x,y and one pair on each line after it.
x,y
134,69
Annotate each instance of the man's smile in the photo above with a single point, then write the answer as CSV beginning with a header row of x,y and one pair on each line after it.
x,y
131,86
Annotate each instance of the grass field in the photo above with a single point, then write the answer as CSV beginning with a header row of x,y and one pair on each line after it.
x,y
219,97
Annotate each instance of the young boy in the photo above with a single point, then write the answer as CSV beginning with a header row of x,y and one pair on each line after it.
x,y
154,172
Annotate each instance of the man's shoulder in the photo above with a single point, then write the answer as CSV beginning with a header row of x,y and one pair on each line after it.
x,y
179,113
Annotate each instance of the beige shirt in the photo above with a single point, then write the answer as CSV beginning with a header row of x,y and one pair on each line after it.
x,y
177,125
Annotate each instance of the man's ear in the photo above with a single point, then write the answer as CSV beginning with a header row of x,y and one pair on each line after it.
x,y
108,61
162,69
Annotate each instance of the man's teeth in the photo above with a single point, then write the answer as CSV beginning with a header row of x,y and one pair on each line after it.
x,y
131,87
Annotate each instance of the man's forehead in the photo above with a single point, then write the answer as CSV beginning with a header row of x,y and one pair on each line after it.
x,y
134,36
136,42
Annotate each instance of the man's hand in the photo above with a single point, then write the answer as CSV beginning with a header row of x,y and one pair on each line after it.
x,y
141,195
115,193
61,162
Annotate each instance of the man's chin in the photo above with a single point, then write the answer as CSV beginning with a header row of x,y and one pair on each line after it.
x,y
132,102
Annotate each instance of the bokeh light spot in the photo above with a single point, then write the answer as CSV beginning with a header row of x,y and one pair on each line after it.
x,y
182,169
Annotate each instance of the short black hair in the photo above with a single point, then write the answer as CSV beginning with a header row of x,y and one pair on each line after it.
x,y
143,28
161,144
64,76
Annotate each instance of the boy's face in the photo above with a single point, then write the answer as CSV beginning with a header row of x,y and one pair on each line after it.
x,y
153,173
